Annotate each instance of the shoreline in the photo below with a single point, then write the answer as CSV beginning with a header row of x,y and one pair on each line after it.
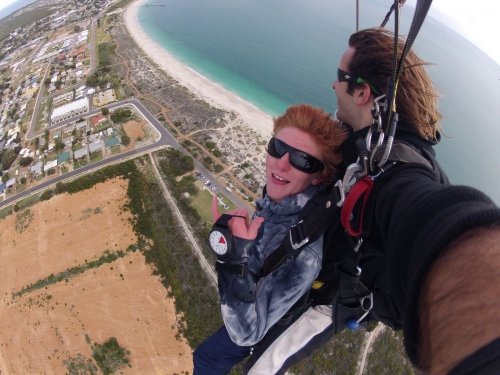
x,y
199,85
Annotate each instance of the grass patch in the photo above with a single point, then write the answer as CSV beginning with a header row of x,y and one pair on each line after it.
x,y
80,163
115,149
202,202
6,211
28,202
388,355
96,156
101,36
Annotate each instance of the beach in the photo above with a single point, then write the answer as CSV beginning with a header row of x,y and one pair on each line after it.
x,y
199,85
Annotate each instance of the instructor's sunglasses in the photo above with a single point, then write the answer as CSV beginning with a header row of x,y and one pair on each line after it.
x,y
298,159
348,77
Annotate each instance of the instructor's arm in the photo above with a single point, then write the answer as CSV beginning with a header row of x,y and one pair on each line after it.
x,y
460,301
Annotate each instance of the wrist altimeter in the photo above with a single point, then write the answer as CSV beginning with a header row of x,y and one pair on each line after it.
x,y
221,237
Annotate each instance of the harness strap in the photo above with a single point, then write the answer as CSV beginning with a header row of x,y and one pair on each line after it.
x,y
362,190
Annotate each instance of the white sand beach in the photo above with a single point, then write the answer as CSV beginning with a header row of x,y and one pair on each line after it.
x,y
195,82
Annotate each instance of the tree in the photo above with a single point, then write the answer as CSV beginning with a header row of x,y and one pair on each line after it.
x,y
77,28
125,140
25,161
104,111
61,187
8,158
46,81
59,145
48,193
5,177
23,180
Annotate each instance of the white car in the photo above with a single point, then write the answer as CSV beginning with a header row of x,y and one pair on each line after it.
x,y
228,189
213,188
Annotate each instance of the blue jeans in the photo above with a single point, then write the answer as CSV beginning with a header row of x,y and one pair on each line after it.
x,y
218,354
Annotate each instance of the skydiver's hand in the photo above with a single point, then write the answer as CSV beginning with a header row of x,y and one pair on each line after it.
x,y
239,226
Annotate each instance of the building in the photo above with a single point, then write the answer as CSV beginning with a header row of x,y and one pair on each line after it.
x,y
98,119
37,168
69,110
10,182
95,147
78,154
66,97
50,165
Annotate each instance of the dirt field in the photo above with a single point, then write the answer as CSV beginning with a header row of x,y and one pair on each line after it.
x,y
134,131
43,328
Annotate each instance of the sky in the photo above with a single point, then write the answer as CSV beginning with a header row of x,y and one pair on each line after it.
x,y
475,20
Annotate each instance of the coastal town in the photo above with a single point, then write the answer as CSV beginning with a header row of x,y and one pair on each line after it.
x,y
111,152
65,83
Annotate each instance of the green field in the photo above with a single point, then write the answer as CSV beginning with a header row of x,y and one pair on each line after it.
x,y
115,150
96,156
202,202
28,202
6,211
80,163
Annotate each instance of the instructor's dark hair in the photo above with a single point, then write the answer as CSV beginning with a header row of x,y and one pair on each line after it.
x,y
416,99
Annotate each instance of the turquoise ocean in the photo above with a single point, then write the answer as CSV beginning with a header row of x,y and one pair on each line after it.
x,y
281,52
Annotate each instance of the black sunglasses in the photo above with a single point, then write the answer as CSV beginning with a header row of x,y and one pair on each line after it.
x,y
298,159
348,77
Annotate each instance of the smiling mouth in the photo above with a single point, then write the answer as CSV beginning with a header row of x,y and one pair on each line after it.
x,y
280,178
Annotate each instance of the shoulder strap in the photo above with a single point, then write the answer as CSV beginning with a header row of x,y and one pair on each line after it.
x,y
314,219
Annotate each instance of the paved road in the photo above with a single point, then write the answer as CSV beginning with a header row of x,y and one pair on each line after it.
x,y
92,44
165,139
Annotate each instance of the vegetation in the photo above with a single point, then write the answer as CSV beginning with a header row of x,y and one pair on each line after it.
x,y
46,195
23,220
25,161
28,202
80,365
125,140
106,257
388,355
5,211
110,356
7,157
9,25
121,115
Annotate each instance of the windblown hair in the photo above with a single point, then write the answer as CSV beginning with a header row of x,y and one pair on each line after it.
x,y
327,133
416,99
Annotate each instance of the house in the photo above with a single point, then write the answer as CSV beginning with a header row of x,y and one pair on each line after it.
x,y
37,168
80,153
67,140
81,125
2,188
10,182
98,119
95,147
50,165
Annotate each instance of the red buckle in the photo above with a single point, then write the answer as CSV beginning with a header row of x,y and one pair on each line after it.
x,y
361,189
